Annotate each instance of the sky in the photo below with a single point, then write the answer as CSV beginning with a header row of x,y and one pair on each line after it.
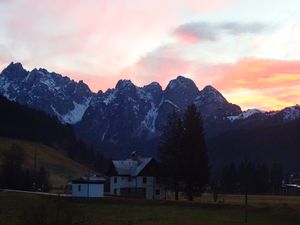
x,y
248,49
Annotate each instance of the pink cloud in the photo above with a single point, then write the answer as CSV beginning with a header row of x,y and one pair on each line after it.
x,y
94,33
265,83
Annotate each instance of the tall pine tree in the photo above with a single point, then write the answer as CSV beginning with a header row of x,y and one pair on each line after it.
x,y
183,151
170,151
195,158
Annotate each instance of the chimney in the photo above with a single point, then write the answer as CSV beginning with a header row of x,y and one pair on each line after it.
x,y
135,156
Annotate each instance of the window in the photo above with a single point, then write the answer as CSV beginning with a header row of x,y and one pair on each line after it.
x,y
157,180
129,178
79,188
157,192
144,180
115,191
115,180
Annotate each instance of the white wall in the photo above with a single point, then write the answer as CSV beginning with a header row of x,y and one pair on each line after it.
x,y
137,182
88,190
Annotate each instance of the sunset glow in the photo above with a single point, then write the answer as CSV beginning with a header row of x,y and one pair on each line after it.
x,y
248,50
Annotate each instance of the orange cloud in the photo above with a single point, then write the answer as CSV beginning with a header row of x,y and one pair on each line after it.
x,y
262,83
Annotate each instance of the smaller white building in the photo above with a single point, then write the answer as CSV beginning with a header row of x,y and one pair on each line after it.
x,y
88,187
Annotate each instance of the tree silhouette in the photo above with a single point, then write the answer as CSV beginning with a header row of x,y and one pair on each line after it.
x,y
183,151
13,160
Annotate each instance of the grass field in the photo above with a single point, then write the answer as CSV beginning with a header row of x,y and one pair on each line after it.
x,y
263,210
60,167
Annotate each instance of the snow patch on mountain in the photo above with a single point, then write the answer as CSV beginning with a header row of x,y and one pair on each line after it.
x,y
172,103
245,114
150,118
75,115
291,113
110,97
5,86
144,95
49,83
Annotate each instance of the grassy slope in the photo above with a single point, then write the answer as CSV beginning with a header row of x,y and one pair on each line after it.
x,y
60,167
269,210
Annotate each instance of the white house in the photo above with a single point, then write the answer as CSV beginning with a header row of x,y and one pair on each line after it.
x,y
88,186
136,177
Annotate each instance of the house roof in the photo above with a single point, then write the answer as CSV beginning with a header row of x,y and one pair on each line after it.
x,y
130,166
92,179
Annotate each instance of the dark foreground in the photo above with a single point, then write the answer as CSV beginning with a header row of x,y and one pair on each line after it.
x,y
31,209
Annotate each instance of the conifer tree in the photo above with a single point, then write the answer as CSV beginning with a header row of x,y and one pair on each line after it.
x,y
170,151
194,151
183,151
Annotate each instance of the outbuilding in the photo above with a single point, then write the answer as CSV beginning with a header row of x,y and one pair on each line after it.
x,y
88,186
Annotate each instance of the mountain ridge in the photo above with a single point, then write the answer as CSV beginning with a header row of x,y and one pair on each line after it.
x,y
125,117
17,69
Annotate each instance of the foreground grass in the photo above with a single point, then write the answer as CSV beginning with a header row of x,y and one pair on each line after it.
x,y
113,211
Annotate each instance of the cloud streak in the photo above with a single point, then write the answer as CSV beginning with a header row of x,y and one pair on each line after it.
x,y
263,83
202,31
267,84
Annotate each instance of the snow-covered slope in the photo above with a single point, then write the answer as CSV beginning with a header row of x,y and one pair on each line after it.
x,y
285,115
245,114
291,113
50,92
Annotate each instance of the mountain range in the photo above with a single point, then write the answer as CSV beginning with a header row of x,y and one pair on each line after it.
x,y
127,118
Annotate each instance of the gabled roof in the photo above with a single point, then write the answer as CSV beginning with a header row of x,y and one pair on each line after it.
x,y
130,167
91,179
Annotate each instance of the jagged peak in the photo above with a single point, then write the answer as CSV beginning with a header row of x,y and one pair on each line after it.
x,y
14,67
152,86
210,88
124,84
181,82
39,71
209,93
291,112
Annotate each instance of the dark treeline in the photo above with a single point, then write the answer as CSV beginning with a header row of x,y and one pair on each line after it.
x,y
17,121
261,143
15,176
248,177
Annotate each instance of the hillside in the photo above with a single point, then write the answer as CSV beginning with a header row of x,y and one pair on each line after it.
x,y
20,122
60,167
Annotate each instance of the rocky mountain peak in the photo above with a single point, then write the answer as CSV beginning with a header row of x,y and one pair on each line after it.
x,y
125,84
14,71
181,83
154,89
209,93
181,92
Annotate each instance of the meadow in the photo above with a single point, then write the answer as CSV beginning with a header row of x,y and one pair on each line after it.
x,y
23,209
